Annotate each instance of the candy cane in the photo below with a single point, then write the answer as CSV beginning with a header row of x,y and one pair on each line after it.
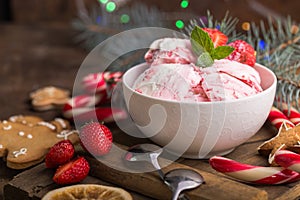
x,y
100,82
292,113
81,101
288,159
253,174
276,117
103,114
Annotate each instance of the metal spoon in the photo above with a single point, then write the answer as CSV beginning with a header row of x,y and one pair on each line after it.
x,y
145,152
182,179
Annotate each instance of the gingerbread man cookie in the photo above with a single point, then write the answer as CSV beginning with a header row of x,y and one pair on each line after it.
x,y
48,98
25,140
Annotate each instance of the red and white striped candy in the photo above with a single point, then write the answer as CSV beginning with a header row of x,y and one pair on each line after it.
x,y
276,117
288,159
102,114
98,82
292,113
253,174
81,101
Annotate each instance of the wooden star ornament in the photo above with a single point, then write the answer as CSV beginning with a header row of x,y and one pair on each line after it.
x,y
287,138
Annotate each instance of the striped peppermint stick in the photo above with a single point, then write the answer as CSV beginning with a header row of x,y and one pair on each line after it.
x,y
86,108
293,114
102,114
79,102
253,174
276,117
101,82
288,159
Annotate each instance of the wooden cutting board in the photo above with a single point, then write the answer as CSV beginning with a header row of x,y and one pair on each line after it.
x,y
35,182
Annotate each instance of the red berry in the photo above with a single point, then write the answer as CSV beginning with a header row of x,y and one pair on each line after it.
x,y
96,138
72,172
59,154
218,38
243,53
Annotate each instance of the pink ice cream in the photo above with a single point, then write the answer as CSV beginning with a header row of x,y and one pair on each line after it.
x,y
173,75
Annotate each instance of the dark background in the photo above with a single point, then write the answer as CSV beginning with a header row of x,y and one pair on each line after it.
x,y
33,11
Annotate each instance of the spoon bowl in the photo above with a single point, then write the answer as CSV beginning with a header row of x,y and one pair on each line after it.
x,y
182,179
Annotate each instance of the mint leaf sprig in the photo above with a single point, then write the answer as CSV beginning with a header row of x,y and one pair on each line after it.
x,y
203,47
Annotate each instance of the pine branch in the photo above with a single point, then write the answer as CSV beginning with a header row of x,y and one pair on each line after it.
x,y
281,53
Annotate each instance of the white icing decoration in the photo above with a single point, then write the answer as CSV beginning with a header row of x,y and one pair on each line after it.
x,y
29,136
21,133
65,134
4,122
14,118
51,126
61,122
7,127
1,146
24,122
21,152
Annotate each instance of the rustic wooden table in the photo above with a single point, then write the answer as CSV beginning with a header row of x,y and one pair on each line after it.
x,y
34,56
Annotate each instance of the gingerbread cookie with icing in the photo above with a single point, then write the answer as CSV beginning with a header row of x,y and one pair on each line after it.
x,y
48,98
25,140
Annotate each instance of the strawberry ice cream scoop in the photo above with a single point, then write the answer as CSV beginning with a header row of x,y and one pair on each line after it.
x,y
225,80
170,50
172,81
173,75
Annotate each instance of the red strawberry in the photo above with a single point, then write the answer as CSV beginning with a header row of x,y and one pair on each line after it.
x,y
218,38
59,153
243,53
72,172
96,138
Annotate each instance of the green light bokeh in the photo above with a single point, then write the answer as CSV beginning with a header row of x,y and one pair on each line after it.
x,y
111,6
184,3
103,1
179,24
124,18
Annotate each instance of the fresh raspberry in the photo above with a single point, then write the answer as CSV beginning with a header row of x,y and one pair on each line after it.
x,y
72,172
218,38
59,154
96,138
243,53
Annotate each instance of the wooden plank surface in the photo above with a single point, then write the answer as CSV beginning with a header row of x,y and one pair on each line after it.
x,y
36,182
217,186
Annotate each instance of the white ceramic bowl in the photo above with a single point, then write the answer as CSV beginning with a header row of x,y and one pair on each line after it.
x,y
202,129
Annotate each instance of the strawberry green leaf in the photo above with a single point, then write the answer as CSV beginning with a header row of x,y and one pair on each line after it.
x,y
200,40
221,52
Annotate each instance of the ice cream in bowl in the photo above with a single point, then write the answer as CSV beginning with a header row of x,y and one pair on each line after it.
x,y
199,101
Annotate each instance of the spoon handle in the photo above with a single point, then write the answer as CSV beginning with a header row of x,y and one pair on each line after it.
x,y
156,165
176,194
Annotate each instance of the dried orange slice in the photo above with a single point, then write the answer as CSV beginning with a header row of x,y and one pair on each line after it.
x,y
88,191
